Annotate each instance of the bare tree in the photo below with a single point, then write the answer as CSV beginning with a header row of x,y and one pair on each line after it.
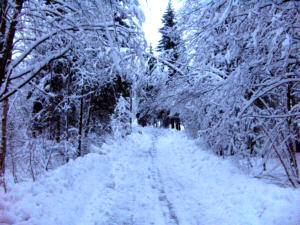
x,y
36,33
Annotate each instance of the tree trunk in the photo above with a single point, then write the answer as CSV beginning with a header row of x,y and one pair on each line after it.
x,y
87,127
131,108
58,129
3,5
7,35
79,153
67,127
178,127
3,142
291,141
173,123
7,32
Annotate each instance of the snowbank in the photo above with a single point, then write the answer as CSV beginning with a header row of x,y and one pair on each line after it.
x,y
209,190
154,176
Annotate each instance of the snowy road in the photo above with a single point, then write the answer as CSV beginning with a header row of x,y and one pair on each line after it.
x,y
158,177
168,210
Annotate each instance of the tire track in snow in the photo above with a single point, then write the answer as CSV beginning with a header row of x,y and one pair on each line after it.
x,y
168,209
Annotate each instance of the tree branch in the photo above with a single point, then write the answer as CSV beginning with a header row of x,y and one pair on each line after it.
x,y
34,73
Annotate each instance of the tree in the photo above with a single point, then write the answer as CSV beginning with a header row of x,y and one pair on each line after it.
x,y
169,46
170,41
148,92
121,119
244,65
35,34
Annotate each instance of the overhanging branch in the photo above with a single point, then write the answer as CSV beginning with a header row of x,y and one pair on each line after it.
x,y
34,72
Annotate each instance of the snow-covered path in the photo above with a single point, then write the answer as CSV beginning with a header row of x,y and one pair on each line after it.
x,y
208,190
152,177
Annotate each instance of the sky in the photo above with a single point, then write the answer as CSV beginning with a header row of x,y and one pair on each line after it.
x,y
153,10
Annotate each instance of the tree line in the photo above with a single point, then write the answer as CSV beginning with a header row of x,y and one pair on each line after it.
x,y
73,72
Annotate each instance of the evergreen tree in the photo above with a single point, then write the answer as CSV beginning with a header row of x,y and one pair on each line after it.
x,y
121,118
169,44
151,62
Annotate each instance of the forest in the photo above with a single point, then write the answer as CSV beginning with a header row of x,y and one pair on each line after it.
x,y
79,74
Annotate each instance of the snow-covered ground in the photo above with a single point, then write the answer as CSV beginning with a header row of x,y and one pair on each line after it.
x,y
154,176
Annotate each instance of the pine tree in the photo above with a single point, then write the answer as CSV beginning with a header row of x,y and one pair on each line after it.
x,y
169,44
151,62
121,119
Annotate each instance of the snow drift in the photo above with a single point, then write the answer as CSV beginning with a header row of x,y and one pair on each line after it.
x,y
153,176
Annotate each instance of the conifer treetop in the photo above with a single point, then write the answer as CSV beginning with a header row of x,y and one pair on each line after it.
x,y
169,40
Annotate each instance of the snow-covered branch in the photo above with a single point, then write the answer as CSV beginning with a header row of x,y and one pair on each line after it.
x,y
33,72
264,91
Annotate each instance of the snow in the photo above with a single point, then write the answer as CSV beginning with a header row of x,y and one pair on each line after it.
x,y
153,176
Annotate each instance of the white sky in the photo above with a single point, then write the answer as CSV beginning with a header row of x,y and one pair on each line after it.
x,y
153,10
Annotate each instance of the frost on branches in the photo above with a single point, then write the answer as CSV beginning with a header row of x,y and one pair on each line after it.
x,y
72,72
242,92
121,121
61,66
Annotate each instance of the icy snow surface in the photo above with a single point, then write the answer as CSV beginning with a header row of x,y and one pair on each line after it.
x,y
154,176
